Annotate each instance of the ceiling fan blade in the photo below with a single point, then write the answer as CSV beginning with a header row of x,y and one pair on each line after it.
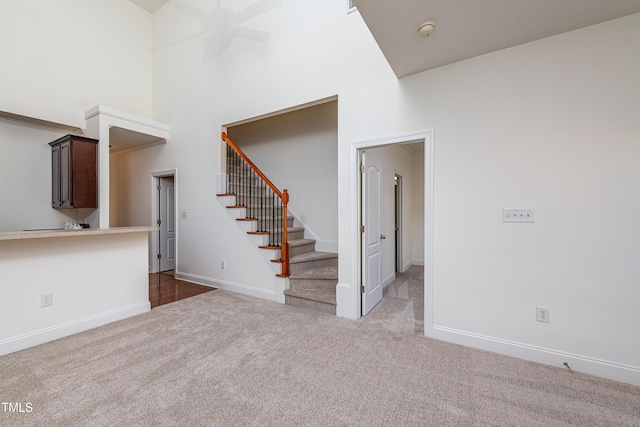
x,y
256,9
250,34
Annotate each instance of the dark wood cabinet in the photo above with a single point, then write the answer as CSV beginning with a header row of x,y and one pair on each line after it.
x,y
74,166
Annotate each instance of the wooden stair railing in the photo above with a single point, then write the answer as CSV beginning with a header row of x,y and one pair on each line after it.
x,y
264,202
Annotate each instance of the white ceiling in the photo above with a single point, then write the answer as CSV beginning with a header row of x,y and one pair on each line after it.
x,y
468,28
121,139
150,5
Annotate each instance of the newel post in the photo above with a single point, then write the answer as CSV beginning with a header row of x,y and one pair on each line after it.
x,y
284,248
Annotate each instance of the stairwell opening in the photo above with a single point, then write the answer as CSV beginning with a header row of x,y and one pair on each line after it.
x,y
297,150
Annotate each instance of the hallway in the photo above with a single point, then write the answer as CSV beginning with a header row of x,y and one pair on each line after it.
x,y
402,306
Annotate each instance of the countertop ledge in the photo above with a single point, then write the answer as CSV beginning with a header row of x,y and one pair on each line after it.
x,y
41,234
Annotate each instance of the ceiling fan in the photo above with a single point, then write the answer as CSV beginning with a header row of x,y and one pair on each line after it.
x,y
221,25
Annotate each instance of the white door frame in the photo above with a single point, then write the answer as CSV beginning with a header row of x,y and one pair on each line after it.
x,y
154,239
351,298
399,221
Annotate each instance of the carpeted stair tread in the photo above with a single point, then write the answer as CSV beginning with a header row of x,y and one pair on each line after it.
x,y
325,296
289,230
312,256
300,242
327,273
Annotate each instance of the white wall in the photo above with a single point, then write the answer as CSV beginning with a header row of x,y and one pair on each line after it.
x,y
120,199
543,125
550,125
61,58
298,151
58,60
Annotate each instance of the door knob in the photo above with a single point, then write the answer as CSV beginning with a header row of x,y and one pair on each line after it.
x,y
382,236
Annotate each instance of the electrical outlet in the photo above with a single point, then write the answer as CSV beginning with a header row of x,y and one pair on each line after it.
x,y
222,265
46,300
542,314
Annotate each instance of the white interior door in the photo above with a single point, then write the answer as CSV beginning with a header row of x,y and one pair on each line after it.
x,y
371,236
167,219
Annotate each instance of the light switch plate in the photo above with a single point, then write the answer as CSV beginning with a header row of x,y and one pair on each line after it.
x,y
518,215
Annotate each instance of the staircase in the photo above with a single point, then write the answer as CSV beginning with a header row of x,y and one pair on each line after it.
x,y
312,275
313,280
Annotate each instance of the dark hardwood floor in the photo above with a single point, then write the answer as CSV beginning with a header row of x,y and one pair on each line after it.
x,y
164,288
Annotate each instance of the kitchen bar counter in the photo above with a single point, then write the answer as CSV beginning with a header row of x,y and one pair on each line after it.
x,y
41,234
56,283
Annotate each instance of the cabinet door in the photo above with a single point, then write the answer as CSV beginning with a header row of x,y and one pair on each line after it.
x,y
84,174
65,175
55,176
74,167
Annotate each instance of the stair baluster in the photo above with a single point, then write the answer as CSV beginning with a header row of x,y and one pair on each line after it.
x,y
241,175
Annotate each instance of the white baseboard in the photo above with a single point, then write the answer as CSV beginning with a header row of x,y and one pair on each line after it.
x,y
417,262
388,280
588,365
327,246
42,336
229,286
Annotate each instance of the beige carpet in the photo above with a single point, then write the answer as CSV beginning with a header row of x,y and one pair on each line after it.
x,y
402,305
225,359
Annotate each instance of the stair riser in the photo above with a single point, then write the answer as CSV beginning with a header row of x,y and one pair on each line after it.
x,y
294,235
244,188
300,267
312,305
264,224
268,215
300,284
302,249
259,213
245,183
258,199
248,181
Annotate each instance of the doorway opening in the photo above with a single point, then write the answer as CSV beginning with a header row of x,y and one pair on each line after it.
x,y
163,248
382,192
407,214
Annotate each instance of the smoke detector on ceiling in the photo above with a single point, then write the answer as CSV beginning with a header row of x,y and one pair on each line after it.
x,y
426,28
